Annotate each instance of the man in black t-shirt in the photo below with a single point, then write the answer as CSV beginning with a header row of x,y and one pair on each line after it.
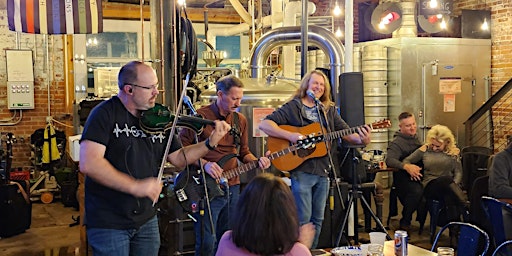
x,y
122,163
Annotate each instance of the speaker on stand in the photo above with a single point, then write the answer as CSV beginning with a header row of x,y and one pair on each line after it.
x,y
351,95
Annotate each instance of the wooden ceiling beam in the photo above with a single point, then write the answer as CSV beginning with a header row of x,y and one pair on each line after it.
x,y
132,12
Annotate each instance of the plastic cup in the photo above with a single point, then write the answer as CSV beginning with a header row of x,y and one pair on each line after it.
x,y
376,250
377,238
364,249
445,251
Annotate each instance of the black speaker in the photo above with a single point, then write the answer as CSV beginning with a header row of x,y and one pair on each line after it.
x,y
351,98
333,219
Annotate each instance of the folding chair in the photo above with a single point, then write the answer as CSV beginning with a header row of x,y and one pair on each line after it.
x,y
472,239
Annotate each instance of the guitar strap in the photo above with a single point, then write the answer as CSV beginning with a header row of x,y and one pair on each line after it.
x,y
235,131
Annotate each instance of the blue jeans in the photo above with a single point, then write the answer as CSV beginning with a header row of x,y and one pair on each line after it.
x,y
123,242
222,209
310,193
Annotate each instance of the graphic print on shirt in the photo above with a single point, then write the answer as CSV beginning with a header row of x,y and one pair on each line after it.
x,y
135,132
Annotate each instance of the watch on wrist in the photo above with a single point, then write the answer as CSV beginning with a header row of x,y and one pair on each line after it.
x,y
207,143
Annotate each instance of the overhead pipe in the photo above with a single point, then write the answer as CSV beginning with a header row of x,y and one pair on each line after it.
x,y
317,36
267,21
240,28
239,8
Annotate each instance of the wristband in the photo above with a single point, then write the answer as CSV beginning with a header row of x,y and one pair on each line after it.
x,y
207,144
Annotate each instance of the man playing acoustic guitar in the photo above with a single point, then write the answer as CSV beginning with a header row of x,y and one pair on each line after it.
x,y
310,182
222,157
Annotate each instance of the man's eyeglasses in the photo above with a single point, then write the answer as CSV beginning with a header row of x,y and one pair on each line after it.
x,y
151,87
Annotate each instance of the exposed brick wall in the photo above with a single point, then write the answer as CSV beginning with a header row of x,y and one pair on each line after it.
x,y
48,71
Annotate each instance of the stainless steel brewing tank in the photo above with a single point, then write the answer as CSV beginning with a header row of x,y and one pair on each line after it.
x,y
258,93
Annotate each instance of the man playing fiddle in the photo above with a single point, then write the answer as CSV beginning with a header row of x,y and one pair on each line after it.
x,y
122,163
223,155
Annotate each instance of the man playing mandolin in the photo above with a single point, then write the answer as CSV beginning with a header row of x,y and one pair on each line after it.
x,y
222,157
310,182
122,163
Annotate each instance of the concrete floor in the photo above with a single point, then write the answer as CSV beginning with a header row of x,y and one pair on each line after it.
x,y
50,233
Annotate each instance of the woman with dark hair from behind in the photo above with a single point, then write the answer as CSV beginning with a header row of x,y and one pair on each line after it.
x,y
266,222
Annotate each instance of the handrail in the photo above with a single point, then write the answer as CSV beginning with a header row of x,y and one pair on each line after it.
x,y
487,107
490,102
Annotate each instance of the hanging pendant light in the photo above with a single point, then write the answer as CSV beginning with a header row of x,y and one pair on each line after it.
x,y
337,10
485,25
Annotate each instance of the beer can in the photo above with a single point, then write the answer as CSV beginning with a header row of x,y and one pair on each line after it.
x,y
401,240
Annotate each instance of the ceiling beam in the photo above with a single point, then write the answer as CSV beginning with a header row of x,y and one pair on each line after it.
x,y
132,12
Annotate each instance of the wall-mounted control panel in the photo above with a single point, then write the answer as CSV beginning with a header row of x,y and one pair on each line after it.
x,y
20,79
20,95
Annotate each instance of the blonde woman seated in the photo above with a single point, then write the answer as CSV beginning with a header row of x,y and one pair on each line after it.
x,y
442,171
266,222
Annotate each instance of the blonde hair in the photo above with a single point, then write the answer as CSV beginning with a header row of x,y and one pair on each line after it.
x,y
442,134
325,98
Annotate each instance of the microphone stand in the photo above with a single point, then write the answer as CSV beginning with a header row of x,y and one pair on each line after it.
x,y
206,198
321,112
171,133
355,194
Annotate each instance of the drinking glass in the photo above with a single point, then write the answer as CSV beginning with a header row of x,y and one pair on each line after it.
x,y
445,251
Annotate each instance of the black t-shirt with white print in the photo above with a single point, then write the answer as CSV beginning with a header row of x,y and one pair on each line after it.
x,y
130,150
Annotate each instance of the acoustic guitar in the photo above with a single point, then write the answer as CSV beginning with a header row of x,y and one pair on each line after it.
x,y
189,186
292,161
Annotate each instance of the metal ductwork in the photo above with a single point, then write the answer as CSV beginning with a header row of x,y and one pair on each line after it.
x,y
317,36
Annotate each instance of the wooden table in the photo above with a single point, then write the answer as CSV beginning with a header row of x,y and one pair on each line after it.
x,y
413,250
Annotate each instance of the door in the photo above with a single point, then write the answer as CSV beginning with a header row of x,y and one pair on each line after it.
x,y
448,98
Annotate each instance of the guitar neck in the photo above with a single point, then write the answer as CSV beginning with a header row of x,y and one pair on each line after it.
x,y
344,132
253,164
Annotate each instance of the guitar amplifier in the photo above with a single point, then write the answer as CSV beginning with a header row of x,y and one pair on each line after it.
x,y
176,228
15,211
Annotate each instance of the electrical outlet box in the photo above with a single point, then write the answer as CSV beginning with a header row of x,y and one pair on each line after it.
x,y
20,95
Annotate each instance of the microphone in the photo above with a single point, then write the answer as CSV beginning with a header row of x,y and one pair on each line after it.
x,y
311,94
186,100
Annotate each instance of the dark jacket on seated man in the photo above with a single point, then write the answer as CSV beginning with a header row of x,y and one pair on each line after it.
x,y
500,174
409,190
500,183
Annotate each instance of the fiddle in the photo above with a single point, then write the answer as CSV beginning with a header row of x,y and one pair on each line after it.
x,y
160,118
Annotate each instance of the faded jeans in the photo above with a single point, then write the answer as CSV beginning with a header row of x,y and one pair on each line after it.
x,y
123,242
310,193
